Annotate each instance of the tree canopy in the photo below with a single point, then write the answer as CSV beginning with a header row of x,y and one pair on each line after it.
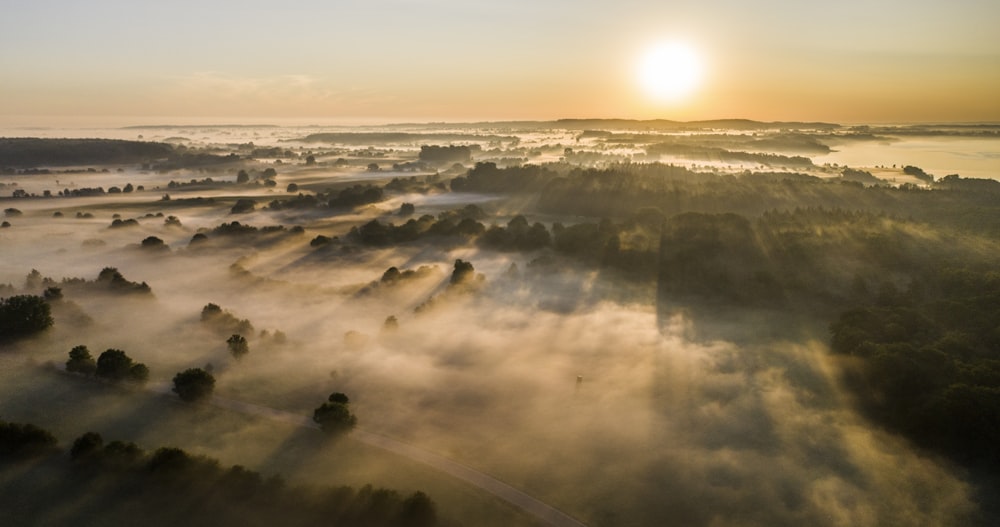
x,y
194,384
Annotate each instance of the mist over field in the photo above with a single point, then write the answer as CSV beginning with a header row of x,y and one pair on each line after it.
x,y
661,325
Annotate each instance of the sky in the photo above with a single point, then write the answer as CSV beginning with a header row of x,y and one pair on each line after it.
x,y
850,61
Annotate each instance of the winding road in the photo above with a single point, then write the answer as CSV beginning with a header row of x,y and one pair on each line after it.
x,y
532,506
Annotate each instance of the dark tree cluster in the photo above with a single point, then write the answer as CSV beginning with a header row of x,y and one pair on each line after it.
x,y
486,177
155,244
111,280
416,184
446,154
918,173
222,321
245,232
931,361
21,441
194,384
377,233
517,236
27,152
710,153
169,487
356,196
81,361
116,366
334,416
301,201
393,277
113,365
119,223
243,206
238,346
24,315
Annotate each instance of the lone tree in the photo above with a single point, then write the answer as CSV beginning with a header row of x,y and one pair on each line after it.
x,y
80,361
334,417
463,272
194,384
238,346
116,365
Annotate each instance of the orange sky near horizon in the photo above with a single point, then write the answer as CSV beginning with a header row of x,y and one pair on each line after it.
x,y
445,60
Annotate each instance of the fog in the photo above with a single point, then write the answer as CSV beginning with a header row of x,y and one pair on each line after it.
x,y
565,383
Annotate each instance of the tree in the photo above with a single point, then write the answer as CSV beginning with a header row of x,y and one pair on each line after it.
x,y
80,361
243,206
242,176
115,365
238,346
462,273
23,441
89,445
418,511
154,243
333,416
24,315
311,160
194,384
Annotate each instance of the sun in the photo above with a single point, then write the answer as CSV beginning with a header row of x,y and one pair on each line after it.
x,y
670,71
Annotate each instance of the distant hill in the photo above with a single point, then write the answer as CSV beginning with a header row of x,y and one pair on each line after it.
x,y
21,152
631,124
369,138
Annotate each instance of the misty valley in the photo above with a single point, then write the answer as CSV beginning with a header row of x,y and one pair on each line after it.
x,y
574,322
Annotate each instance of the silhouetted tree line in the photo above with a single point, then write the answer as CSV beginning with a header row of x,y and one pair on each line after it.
x,y
353,196
446,154
118,483
112,365
26,152
109,280
243,233
806,257
24,441
393,277
460,223
222,321
486,177
711,153
622,189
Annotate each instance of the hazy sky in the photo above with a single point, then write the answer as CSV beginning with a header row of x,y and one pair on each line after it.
x,y
844,61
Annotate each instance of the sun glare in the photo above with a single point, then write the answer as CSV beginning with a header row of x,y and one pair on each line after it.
x,y
670,71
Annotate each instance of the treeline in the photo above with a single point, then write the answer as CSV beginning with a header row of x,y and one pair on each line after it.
x,y
353,196
806,257
32,151
446,154
961,203
117,483
244,233
630,245
712,153
930,360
